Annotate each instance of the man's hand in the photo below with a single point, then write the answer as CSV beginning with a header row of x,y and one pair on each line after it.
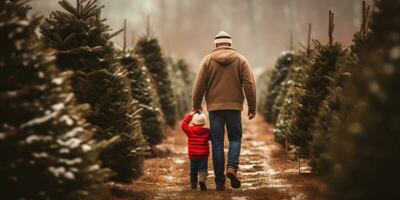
x,y
251,115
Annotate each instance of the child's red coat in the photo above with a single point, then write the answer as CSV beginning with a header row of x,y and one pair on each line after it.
x,y
198,136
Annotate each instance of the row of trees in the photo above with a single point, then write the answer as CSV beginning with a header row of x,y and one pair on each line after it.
x,y
84,113
340,106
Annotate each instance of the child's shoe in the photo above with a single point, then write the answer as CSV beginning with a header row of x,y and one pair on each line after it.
x,y
202,181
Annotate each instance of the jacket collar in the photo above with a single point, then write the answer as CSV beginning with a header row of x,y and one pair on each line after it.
x,y
223,48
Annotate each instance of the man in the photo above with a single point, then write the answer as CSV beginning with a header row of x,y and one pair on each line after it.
x,y
223,77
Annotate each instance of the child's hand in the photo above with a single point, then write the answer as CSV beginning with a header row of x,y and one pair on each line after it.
x,y
192,113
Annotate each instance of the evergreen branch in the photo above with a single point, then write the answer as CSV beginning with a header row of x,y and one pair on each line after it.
x,y
89,4
93,12
67,6
70,37
115,34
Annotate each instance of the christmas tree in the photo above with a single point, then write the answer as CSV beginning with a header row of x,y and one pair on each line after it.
x,y
314,88
262,90
313,91
293,83
284,87
329,118
116,113
181,82
83,43
286,102
143,89
150,51
335,108
187,76
366,147
46,147
279,74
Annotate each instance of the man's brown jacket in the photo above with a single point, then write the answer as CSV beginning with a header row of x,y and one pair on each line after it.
x,y
224,79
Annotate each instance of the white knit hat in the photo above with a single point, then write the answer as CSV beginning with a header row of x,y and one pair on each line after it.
x,y
222,37
199,119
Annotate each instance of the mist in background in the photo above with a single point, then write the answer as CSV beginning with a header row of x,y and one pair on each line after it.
x,y
259,28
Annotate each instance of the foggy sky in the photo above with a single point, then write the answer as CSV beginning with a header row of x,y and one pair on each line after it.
x,y
259,28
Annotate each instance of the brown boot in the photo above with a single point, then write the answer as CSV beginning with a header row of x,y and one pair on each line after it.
x,y
231,173
202,181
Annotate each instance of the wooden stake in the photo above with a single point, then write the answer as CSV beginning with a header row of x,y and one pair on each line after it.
x,y
133,38
124,47
286,146
372,11
364,20
299,166
291,39
367,20
331,26
148,25
309,40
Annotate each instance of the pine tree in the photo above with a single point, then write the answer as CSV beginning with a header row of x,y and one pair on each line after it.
x,y
46,148
187,76
314,88
83,43
286,102
150,51
329,118
287,83
262,90
366,147
279,74
334,109
313,91
143,89
116,113
294,82
180,74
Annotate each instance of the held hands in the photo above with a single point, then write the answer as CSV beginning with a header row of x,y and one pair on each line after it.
x,y
194,110
251,115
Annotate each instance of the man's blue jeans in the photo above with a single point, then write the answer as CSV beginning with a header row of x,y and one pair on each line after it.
x,y
218,120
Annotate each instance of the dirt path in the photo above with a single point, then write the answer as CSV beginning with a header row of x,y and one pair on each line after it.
x,y
265,170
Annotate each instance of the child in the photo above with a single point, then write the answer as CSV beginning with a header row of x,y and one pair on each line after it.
x,y
198,148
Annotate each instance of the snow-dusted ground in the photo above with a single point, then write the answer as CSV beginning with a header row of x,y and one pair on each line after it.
x,y
265,172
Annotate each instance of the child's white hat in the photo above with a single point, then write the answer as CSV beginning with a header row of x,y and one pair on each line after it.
x,y
199,119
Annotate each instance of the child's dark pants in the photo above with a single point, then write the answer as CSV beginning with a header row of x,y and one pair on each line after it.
x,y
197,166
